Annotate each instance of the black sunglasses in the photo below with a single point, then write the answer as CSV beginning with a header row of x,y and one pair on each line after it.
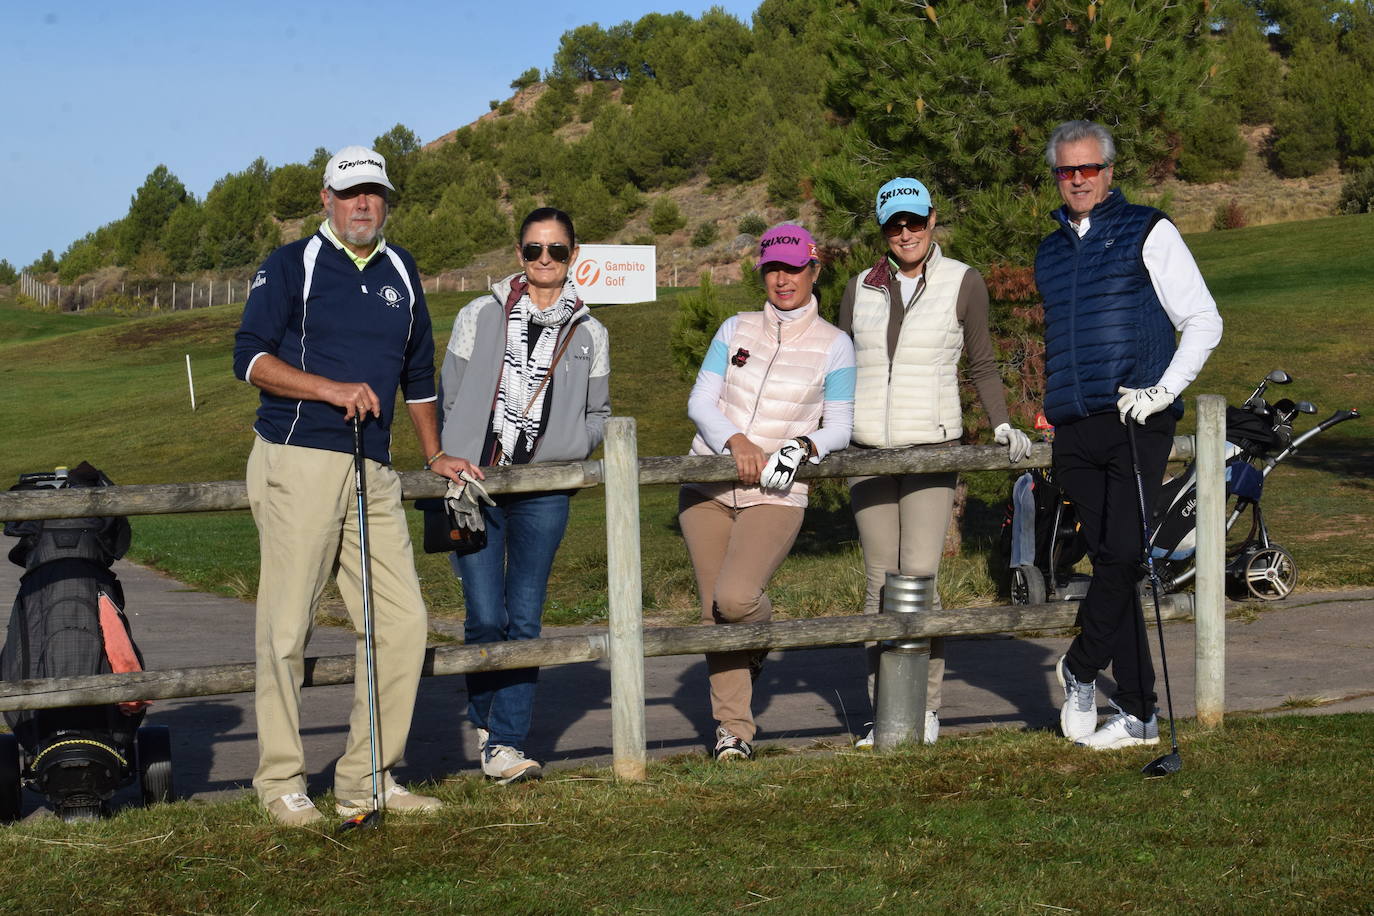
x,y
530,251
902,221
1089,170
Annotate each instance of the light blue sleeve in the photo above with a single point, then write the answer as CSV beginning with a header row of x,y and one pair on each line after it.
x,y
716,357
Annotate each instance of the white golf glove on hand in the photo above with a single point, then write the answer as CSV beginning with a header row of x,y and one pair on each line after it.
x,y
1018,443
782,465
464,502
1140,404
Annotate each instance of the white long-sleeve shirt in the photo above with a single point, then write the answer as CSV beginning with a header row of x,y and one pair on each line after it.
x,y
1181,290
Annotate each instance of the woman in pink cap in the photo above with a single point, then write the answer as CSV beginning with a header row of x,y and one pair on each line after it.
x,y
913,315
776,389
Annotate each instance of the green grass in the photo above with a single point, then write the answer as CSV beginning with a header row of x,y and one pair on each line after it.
x,y
1267,815
1297,296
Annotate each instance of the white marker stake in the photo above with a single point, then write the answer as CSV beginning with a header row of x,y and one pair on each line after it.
x,y
190,382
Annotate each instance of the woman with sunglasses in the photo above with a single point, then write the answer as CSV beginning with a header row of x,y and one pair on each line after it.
x,y
525,379
912,316
776,388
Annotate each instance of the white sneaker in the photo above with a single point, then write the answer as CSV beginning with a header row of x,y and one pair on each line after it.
x,y
1078,715
396,800
1122,730
507,765
932,730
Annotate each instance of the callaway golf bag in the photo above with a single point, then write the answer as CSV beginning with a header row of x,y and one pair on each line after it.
x,y
1042,542
68,621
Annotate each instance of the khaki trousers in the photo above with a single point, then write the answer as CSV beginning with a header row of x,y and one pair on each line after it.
x,y
305,507
902,521
734,553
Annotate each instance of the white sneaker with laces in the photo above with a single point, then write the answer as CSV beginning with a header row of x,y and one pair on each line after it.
x,y
508,764
931,734
1122,730
1078,715
730,746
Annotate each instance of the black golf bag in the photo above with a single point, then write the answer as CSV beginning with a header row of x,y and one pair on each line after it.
x,y
67,621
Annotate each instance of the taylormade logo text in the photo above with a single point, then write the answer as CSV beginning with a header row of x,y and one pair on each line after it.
x,y
357,162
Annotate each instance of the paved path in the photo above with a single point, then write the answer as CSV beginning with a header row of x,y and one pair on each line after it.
x,y
1312,646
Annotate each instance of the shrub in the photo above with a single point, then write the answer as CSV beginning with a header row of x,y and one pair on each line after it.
x,y
646,238
1212,147
705,234
1357,193
752,224
1229,216
526,79
698,316
664,217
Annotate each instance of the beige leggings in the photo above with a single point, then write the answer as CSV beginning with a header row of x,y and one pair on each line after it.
x,y
734,553
902,522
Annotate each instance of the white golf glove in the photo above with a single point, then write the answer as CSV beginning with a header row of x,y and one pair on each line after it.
x,y
464,502
1018,443
782,465
1140,404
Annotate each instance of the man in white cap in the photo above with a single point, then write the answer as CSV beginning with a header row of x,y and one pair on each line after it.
x,y
334,325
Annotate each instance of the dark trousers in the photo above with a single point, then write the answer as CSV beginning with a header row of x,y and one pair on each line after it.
x,y
1092,463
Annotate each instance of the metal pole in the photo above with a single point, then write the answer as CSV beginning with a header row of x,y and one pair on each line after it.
x,y
1211,560
190,382
903,667
625,594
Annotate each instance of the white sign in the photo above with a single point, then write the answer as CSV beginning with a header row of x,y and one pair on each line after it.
x,y
616,273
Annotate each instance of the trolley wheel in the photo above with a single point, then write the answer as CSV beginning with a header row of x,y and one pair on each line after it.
x,y
1027,585
1270,573
153,748
11,794
82,813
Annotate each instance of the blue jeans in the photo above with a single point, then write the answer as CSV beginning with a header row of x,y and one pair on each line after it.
x,y
503,589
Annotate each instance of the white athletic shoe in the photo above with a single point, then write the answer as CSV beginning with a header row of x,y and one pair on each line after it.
x,y
1122,730
1078,715
932,730
396,800
508,764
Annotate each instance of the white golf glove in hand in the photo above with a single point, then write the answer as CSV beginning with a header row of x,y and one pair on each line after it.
x,y
464,502
1018,443
1140,404
782,465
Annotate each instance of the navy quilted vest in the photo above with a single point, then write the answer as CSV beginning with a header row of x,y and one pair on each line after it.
x,y
1104,325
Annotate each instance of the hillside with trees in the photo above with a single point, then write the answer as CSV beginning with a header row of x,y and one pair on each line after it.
x,y
697,130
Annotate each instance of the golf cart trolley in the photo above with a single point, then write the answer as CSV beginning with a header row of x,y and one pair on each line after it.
x,y
68,621
1042,538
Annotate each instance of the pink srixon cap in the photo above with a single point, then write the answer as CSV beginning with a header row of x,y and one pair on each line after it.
x,y
788,243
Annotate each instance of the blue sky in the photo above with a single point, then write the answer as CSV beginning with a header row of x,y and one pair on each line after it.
x,y
96,94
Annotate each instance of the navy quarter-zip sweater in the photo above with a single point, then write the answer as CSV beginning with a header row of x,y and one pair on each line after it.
x,y
1104,325
312,308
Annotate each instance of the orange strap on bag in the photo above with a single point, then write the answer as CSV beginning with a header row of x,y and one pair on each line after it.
x,y
119,649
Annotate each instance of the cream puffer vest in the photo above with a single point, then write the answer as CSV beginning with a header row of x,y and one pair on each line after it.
x,y
914,399
778,394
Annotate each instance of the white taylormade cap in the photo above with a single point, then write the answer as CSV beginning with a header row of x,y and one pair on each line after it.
x,y
355,165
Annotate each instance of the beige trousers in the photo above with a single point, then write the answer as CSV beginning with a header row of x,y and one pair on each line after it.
x,y
305,507
902,521
734,553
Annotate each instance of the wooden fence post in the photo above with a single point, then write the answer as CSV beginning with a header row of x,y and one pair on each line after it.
x,y
625,593
1210,698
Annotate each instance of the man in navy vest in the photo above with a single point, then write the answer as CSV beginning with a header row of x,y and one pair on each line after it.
x,y
1117,282
334,326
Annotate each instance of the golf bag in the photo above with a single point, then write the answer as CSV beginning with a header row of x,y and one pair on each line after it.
x,y
67,621
1041,543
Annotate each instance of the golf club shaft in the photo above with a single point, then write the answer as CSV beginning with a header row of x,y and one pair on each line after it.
x,y
1154,576
369,641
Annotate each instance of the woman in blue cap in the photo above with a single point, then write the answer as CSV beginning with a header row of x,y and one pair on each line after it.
x,y
912,316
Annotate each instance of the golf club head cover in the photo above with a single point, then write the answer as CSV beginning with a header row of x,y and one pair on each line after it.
x,y
1140,404
1018,443
464,502
782,465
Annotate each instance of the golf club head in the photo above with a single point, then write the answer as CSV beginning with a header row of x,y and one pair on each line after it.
x,y
1163,766
368,820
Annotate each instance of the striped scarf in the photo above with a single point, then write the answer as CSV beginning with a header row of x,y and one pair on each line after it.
x,y
524,370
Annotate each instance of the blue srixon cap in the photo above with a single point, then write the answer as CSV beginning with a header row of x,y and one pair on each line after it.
x,y
901,195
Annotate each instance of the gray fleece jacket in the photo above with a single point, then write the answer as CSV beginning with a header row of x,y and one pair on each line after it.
x,y
580,399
